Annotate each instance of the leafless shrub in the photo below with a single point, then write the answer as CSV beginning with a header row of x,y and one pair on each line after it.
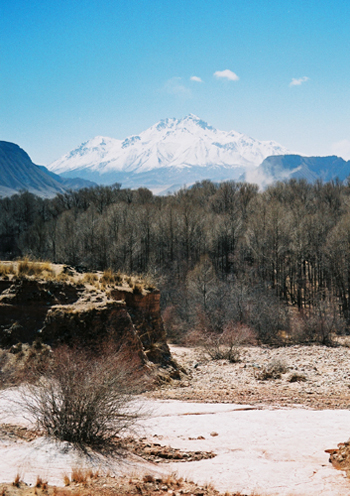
x,y
273,370
227,345
149,282
297,377
86,399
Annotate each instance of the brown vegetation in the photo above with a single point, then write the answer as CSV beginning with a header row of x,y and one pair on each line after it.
x,y
226,345
37,313
102,485
225,251
87,398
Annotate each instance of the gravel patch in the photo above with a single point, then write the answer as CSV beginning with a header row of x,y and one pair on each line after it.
x,y
316,377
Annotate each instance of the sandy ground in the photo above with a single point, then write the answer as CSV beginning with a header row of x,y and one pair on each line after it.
x,y
269,436
50,459
326,372
267,452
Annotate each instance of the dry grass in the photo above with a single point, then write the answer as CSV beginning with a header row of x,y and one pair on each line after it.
x,y
90,278
6,269
66,480
41,484
136,282
81,476
273,370
43,270
62,277
108,278
29,267
17,480
105,485
297,377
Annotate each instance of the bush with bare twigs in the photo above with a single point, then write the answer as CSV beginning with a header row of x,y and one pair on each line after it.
x,y
273,370
227,345
86,398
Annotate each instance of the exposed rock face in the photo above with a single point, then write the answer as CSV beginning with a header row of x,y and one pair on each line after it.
x,y
59,312
144,311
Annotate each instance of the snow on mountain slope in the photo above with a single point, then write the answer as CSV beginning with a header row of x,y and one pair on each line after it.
x,y
172,146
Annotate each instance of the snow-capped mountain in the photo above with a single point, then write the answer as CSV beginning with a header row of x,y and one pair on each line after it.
x,y
166,156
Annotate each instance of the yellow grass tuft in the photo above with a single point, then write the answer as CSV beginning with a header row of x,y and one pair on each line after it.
x,y
66,480
28,267
62,277
108,278
6,269
93,475
90,278
40,483
17,481
79,475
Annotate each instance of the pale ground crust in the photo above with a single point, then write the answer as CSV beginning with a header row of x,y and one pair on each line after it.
x,y
326,370
326,387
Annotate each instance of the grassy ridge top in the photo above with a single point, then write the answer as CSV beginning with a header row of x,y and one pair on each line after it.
x,y
27,268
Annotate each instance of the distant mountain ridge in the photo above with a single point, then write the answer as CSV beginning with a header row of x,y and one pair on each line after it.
x,y
285,167
18,172
169,154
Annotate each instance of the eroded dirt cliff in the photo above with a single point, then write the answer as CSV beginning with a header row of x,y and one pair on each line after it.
x,y
57,305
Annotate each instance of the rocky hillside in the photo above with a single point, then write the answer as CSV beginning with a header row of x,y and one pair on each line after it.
x,y
285,167
54,304
17,172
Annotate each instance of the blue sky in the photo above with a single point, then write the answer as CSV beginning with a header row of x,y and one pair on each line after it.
x,y
72,70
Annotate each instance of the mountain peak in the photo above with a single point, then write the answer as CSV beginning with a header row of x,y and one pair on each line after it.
x,y
188,145
192,118
189,122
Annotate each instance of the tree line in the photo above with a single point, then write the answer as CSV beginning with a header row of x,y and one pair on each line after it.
x,y
220,253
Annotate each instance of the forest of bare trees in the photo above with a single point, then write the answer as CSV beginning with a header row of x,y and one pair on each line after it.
x,y
276,261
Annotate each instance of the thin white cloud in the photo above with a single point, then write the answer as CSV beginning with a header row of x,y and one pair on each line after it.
x,y
298,82
342,149
226,74
196,79
174,86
